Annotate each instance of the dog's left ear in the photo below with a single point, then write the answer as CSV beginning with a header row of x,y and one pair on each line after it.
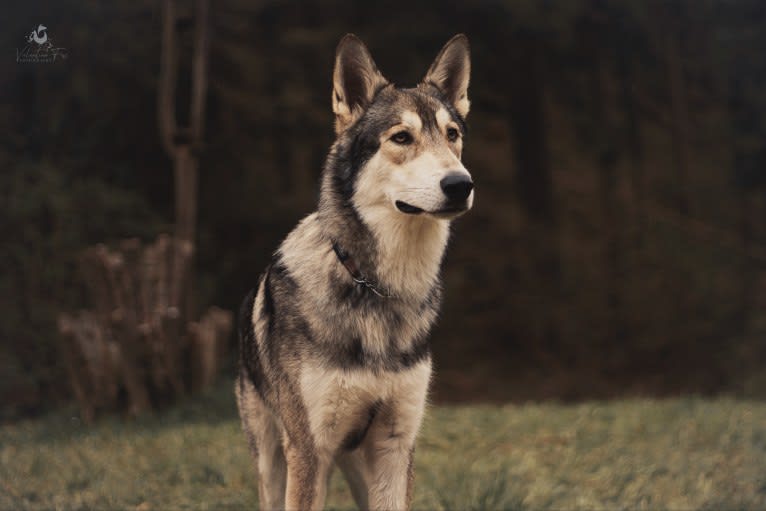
x,y
355,79
451,72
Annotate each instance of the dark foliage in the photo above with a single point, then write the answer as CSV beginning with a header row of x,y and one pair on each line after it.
x,y
617,242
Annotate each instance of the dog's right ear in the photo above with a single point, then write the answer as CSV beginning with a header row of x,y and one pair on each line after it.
x,y
355,79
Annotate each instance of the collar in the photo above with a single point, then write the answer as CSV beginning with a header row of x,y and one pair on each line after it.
x,y
349,263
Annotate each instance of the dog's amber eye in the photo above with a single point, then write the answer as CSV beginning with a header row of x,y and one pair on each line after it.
x,y
452,134
402,138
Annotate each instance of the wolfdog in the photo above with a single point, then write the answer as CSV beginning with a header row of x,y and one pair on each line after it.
x,y
334,362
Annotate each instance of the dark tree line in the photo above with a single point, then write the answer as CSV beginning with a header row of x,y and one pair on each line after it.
x,y
617,243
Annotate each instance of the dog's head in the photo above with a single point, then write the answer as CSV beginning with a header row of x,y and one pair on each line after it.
x,y
400,148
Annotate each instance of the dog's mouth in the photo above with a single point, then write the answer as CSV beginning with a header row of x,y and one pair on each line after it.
x,y
408,208
448,212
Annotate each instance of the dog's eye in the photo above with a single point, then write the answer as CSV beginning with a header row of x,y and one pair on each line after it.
x,y
402,138
452,134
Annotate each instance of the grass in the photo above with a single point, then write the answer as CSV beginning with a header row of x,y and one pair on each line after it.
x,y
687,453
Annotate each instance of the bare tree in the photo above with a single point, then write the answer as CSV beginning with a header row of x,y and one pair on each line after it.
x,y
183,143
140,337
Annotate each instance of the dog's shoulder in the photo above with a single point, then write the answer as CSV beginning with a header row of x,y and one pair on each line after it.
x,y
306,254
303,239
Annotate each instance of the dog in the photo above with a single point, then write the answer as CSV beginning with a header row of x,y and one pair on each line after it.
x,y
334,361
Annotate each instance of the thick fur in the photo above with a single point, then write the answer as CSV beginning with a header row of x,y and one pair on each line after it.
x,y
330,371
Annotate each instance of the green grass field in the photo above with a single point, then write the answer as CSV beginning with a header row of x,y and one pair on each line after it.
x,y
688,453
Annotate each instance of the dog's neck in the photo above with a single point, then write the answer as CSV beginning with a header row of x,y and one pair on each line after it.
x,y
401,253
410,250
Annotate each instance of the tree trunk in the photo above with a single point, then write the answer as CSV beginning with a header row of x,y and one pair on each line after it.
x,y
748,269
604,102
183,144
534,181
635,147
679,113
597,40
527,119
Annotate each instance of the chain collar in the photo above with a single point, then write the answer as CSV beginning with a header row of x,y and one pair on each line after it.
x,y
348,262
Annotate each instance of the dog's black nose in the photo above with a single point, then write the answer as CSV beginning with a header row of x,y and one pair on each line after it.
x,y
457,186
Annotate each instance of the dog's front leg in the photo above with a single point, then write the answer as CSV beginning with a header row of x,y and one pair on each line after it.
x,y
389,450
307,472
391,485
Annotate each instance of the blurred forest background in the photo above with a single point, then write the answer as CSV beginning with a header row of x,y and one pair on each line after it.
x,y
617,243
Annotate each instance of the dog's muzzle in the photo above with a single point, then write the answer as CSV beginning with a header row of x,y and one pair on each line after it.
x,y
457,188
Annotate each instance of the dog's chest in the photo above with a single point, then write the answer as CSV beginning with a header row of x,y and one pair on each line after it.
x,y
339,401
390,326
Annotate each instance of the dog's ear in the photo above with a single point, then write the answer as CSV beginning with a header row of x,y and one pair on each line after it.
x,y
451,72
355,79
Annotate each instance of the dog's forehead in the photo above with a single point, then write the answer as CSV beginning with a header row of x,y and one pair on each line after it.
x,y
412,107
